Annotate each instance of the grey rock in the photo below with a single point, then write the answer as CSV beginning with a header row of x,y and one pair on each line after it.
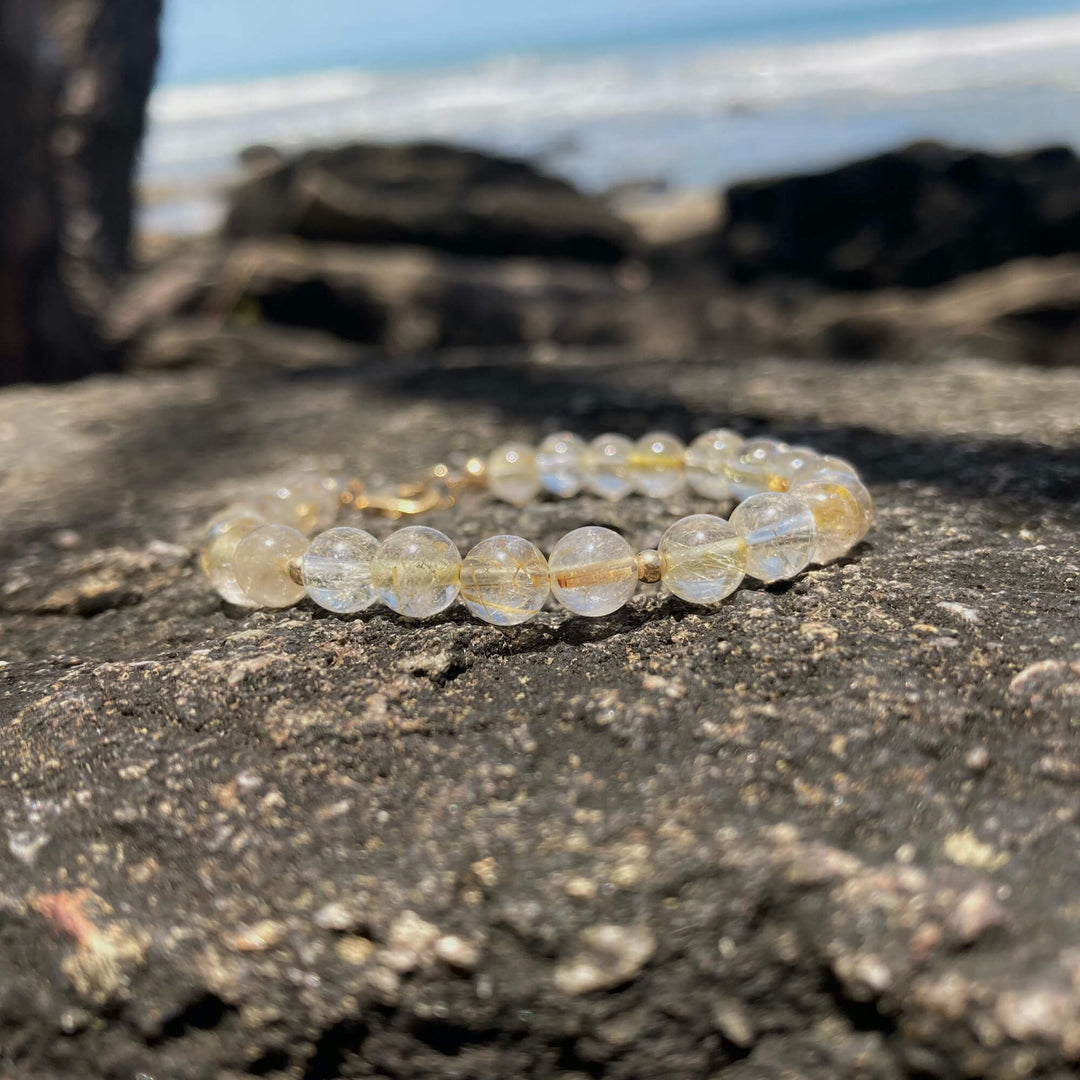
x,y
832,821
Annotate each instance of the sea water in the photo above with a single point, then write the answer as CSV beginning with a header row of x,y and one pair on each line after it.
x,y
709,97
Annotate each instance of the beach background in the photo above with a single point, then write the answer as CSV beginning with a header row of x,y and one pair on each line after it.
x,y
685,95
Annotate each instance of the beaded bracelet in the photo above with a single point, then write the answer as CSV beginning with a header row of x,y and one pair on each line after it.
x,y
795,508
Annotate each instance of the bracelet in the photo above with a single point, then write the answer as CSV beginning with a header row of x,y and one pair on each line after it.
x,y
795,507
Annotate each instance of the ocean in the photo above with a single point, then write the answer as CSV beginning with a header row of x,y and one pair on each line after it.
x,y
696,94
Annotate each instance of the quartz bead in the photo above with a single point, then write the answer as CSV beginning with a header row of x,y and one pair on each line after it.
x,y
594,571
416,571
512,473
706,457
780,534
337,570
608,473
263,565
658,465
222,538
793,466
307,501
504,580
561,459
702,559
753,469
843,512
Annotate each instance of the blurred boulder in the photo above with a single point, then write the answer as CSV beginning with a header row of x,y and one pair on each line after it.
x,y
402,299
74,79
919,216
428,195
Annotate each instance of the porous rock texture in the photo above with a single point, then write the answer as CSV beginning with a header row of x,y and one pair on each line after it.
x,y
828,830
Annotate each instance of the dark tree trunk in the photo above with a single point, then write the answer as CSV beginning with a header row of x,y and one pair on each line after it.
x,y
74,79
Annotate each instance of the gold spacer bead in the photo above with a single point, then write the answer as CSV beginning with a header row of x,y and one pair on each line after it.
x,y
476,471
296,571
648,566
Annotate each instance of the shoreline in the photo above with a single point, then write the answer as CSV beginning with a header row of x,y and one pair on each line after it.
x,y
703,115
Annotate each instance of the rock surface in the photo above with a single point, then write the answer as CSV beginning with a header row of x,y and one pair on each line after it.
x,y
919,216
827,831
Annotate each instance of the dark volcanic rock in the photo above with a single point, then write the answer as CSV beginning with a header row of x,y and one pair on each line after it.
x,y
919,216
828,830
429,195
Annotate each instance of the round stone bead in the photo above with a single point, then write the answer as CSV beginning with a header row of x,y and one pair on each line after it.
x,y
416,571
780,534
561,459
512,473
218,550
843,512
307,501
702,559
658,465
593,571
262,564
793,466
608,467
504,580
753,469
337,570
706,457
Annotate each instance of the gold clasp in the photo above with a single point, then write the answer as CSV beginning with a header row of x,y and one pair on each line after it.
x,y
438,491
408,499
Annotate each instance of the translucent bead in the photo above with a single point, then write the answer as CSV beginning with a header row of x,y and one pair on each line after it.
x,y
512,473
702,559
416,571
218,550
561,459
307,501
706,457
504,580
658,465
793,466
780,534
593,571
829,464
608,463
753,469
337,570
843,512
262,564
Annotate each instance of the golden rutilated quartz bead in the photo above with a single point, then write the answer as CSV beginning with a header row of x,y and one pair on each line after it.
x,y
593,571
263,565
504,580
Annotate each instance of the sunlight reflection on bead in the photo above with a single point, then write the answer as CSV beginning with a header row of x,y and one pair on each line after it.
x,y
561,459
219,546
780,534
416,571
504,580
658,465
337,570
608,467
705,460
262,565
702,559
593,571
512,473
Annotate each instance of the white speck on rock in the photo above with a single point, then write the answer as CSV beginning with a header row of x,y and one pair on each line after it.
x,y
25,845
612,955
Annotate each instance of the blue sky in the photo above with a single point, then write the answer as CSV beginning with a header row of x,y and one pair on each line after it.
x,y
217,39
